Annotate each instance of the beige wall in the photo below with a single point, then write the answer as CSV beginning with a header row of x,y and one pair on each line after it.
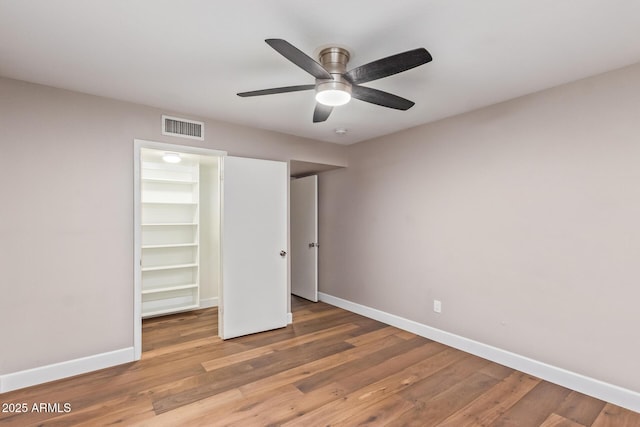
x,y
522,218
66,216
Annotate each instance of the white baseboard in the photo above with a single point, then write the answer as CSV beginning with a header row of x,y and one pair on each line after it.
x,y
56,371
289,318
599,389
208,302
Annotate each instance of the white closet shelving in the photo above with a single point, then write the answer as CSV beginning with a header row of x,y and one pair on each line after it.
x,y
170,243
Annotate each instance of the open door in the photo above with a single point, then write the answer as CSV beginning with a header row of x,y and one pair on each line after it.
x,y
253,292
304,237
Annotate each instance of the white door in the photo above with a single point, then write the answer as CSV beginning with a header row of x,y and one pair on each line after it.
x,y
304,237
253,292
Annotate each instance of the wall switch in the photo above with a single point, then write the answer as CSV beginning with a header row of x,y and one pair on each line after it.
x,y
437,306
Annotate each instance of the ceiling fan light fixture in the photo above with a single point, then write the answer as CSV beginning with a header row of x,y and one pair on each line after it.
x,y
333,97
333,93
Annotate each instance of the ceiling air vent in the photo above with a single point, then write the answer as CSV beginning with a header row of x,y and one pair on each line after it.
x,y
182,128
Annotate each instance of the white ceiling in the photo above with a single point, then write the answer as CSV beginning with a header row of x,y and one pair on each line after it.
x,y
193,56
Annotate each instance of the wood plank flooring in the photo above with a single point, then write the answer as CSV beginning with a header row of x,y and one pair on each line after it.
x,y
331,367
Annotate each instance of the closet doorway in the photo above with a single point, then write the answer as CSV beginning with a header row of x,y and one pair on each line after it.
x,y
201,219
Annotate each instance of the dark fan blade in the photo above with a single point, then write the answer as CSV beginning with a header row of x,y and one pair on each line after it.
x,y
379,97
321,113
299,58
388,66
277,90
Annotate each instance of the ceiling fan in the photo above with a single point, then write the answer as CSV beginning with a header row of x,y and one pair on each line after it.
x,y
336,86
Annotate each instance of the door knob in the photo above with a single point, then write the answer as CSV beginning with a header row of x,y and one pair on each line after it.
x,y
283,254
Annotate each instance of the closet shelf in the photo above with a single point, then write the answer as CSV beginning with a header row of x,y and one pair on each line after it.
x,y
169,181
163,224
168,289
171,203
177,245
168,267
171,309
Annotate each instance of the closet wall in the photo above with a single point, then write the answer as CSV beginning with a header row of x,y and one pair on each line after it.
x,y
209,231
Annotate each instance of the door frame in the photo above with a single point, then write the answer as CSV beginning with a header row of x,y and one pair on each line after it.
x,y
138,145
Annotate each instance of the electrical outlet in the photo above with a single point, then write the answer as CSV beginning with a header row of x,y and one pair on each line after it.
x,y
437,306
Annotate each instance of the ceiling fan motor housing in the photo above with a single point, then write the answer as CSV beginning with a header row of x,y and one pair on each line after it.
x,y
334,59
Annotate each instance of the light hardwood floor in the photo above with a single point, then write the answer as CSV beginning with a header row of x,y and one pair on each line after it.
x,y
331,367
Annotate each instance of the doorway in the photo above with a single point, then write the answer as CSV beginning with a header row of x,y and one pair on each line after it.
x,y
304,220
177,230
232,237
304,237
